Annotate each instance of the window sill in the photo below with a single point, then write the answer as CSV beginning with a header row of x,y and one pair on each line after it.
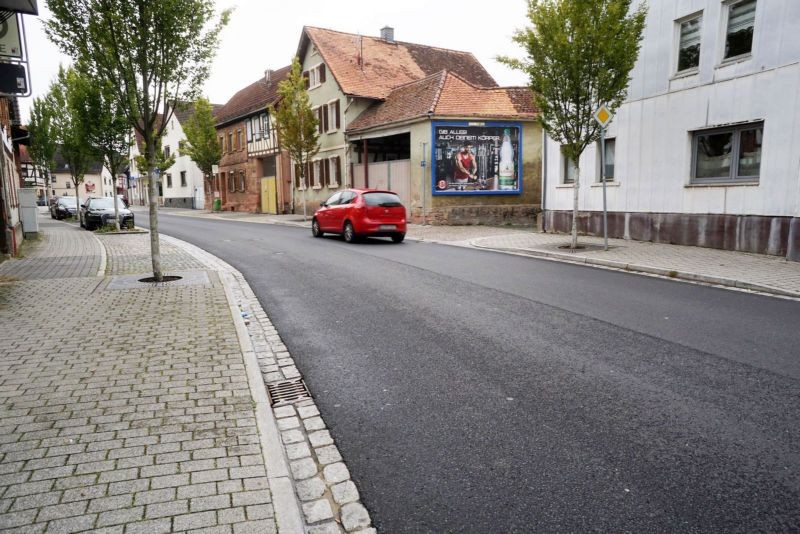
x,y
734,60
685,74
316,187
333,186
725,184
565,186
608,184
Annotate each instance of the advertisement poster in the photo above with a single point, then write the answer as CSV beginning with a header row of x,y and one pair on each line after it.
x,y
476,158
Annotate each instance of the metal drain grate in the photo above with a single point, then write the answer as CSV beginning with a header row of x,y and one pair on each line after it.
x,y
287,392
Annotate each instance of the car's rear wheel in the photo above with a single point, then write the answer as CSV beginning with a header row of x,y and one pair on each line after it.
x,y
316,231
398,238
349,232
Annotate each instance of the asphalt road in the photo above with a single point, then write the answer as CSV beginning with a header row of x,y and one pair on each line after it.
x,y
472,391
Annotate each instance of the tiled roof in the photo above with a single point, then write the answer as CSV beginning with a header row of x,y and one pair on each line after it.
x,y
255,97
445,94
95,167
371,67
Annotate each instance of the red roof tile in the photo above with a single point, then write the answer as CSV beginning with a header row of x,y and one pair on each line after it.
x,y
255,97
371,67
446,94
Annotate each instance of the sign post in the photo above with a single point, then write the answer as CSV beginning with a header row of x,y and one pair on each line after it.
x,y
603,117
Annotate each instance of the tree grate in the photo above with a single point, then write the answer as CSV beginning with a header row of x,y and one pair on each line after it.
x,y
287,392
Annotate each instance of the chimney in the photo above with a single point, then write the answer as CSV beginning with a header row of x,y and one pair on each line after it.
x,y
268,77
387,34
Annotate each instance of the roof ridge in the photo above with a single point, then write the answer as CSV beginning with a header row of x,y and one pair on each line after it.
x,y
395,41
445,73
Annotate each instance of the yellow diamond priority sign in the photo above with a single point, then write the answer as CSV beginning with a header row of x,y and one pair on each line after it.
x,y
603,116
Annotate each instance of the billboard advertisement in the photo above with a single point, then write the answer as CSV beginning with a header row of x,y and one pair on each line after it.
x,y
476,158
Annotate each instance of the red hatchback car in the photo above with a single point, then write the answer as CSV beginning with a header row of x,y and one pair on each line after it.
x,y
356,213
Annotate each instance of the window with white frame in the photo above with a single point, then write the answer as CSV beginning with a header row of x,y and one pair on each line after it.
x,y
315,173
568,168
741,23
231,182
183,178
316,76
333,115
242,181
727,155
689,43
317,111
334,176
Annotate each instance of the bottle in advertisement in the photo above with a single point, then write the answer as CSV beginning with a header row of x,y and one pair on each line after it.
x,y
506,170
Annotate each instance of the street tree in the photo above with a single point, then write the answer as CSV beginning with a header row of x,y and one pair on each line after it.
x,y
42,148
160,164
108,129
154,53
579,55
296,123
202,145
70,125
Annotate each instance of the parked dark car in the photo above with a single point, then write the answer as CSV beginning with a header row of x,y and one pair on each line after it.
x,y
357,213
97,212
64,207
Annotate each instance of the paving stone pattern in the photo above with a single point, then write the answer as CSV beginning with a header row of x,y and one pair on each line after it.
x,y
124,410
63,251
130,254
330,499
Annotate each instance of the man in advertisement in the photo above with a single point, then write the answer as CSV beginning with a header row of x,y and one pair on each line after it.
x,y
466,167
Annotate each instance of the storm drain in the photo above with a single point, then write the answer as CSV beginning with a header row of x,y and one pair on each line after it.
x,y
287,392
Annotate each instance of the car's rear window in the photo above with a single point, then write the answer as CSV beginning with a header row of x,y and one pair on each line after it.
x,y
67,201
382,199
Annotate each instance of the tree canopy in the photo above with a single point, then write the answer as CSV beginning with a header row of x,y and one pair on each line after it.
x,y
202,144
579,55
42,148
295,122
153,53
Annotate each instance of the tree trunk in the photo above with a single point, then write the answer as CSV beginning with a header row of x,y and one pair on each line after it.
x,y
77,203
114,197
575,191
155,249
305,186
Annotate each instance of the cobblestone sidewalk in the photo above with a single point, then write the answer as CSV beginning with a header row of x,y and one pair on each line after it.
x,y
144,409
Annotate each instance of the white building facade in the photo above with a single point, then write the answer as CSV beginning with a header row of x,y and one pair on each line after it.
x,y
706,149
181,186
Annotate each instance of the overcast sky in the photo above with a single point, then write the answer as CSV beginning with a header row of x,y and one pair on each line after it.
x,y
264,34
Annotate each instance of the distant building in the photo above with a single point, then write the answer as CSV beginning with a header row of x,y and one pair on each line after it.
x,y
705,149
97,182
254,173
410,117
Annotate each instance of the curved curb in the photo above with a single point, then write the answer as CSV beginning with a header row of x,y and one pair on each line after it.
x,y
311,487
103,256
646,269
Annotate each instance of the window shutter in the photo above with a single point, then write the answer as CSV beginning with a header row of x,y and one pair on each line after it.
x,y
325,117
310,174
338,165
338,121
305,79
322,73
326,171
297,176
